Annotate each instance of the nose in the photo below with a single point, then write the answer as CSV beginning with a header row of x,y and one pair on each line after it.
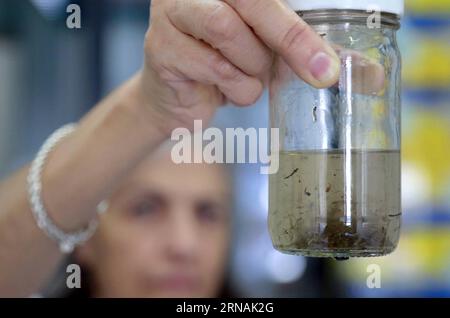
x,y
182,239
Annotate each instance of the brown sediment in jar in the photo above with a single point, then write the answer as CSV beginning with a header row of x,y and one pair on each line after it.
x,y
318,208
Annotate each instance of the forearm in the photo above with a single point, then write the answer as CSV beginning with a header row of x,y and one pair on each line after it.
x,y
81,171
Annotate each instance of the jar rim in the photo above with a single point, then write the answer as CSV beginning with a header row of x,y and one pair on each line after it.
x,y
392,6
333,16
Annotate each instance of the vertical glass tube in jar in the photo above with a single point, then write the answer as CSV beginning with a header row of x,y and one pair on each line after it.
x,y
337,192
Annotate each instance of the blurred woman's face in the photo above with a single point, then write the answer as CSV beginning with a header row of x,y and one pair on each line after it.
x,y
165,234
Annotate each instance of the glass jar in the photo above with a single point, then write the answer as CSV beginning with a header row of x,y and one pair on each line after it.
x,y
337,192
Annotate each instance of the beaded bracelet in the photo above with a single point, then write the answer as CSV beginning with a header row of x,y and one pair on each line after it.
x,y
66,241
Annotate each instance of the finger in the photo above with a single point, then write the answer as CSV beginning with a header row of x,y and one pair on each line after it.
x,y
216,23
280,28
367,74
196,61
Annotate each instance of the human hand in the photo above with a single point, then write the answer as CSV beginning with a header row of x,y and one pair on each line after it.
x,y
200,54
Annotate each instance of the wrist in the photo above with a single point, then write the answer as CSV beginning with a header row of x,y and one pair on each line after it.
x,y
143,113
161,104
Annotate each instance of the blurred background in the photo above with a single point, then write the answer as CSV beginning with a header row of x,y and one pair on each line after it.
x,y
51,75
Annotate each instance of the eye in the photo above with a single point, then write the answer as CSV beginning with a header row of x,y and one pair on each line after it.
x,y
147,207
208,212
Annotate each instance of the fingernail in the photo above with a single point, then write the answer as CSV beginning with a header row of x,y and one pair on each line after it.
x,y
324,68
